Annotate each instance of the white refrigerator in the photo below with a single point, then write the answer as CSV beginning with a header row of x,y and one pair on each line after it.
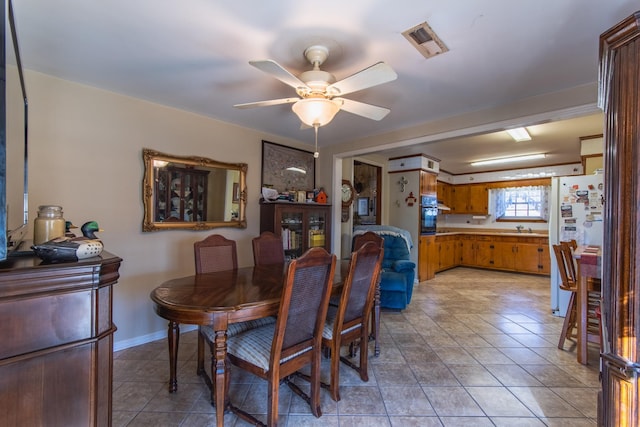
x,y
575,212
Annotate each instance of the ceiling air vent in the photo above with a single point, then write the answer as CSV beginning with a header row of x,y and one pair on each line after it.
x,y
425,40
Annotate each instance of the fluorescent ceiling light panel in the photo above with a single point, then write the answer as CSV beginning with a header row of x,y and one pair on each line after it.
x,y
519,134
509,159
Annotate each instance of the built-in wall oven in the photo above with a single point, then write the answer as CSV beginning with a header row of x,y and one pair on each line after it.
x,y
428,214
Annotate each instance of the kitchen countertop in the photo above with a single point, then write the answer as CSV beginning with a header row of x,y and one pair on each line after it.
x,y
494,232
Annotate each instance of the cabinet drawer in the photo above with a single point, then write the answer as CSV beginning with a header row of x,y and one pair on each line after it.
x,y
37,323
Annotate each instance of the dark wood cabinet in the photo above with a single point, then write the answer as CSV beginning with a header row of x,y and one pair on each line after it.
x,y
56,357
300,225
180,194
619,404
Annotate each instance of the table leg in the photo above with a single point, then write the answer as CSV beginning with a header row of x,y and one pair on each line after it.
x,y
220,375
376,321
582,298
173,336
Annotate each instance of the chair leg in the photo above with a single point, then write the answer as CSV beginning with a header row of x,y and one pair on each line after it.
x,y
334,387
569,320
272,409
200,365
315,384
364,355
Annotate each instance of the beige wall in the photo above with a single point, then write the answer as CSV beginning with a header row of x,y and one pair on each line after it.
x,y
86,155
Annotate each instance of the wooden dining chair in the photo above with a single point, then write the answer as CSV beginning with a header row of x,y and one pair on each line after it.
x,y
275,352
567,272
348,323
569,282
358,241
217,253
267,249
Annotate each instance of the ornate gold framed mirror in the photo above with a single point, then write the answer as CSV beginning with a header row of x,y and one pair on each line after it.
x,y
191,192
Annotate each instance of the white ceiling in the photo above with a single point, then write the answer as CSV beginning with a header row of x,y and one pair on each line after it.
x,y
193,55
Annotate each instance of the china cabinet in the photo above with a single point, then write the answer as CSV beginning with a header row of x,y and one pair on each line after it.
x,y
181,194
300,225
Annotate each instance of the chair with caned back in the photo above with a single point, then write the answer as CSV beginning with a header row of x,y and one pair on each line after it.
x,y
275,352
348,323
358,241
267,249
217,253
569,282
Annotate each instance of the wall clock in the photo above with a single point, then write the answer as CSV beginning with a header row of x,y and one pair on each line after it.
x,y
348,193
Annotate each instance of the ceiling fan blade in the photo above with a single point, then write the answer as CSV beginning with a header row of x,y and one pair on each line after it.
x,y
369,111
374,75
267,103
279,72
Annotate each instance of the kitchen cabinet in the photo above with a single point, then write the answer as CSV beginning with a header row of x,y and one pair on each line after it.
x,y
448,252
427,258
476,251
469,199
428,182
520,254
300,225
523,254
459,198
502,254
443,191
526,254
478,202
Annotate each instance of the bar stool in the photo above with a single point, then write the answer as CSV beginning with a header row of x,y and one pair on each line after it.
x,y
569,282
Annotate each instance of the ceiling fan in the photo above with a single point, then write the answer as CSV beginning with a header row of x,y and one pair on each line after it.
x,y
319,94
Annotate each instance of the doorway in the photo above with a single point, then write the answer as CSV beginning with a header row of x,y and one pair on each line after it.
x,y
367,182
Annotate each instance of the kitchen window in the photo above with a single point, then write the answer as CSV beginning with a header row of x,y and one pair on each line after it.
x,y
522,203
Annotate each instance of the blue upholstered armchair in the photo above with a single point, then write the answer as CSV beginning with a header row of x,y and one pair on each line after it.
x,y
398,271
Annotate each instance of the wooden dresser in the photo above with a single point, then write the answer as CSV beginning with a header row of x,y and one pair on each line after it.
x,y
56,341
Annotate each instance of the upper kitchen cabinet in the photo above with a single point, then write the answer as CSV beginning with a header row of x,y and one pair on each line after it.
x,y
428,184
443,189
470,199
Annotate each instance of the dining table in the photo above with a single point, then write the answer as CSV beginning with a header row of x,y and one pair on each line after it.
x,y
589,263
222,298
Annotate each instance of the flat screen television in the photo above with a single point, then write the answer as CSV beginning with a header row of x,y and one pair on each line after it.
x,y
14,211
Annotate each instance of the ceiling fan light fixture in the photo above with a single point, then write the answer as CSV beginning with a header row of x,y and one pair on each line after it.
x,y
315,111
519,134
509,159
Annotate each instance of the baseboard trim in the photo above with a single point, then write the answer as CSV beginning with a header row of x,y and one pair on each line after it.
x,y
144,339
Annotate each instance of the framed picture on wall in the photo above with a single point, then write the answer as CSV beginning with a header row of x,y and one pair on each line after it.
x,y
363,206
286,168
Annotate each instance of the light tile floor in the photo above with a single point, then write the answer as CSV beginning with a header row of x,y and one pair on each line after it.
x,y
474,348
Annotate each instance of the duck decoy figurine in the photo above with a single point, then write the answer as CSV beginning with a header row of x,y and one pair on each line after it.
x,y
68,225
71,249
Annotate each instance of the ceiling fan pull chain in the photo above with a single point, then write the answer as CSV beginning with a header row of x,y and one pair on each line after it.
x,y
316,154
